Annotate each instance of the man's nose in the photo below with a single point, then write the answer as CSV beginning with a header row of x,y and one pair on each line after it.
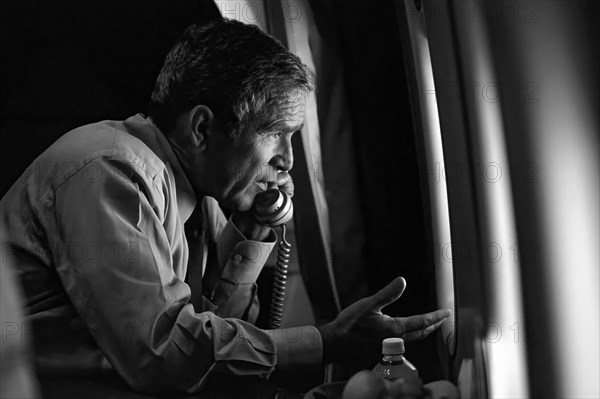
x,y
284,159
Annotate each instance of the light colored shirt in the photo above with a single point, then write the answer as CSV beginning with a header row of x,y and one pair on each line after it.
x,y
96,228
16,377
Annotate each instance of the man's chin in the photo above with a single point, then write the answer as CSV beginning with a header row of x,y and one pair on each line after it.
x,y
242,204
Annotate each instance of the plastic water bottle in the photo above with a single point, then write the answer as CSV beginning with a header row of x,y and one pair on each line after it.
x,y
393,365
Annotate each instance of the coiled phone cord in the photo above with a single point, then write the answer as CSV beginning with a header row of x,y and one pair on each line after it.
x,y
280,279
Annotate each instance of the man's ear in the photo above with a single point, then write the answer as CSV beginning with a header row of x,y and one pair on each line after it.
x,y
200,120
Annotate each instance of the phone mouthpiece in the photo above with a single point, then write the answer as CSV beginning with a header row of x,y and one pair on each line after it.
x,y
273,208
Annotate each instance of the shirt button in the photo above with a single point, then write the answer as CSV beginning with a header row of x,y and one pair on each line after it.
x,y
196,233
49,199
238,258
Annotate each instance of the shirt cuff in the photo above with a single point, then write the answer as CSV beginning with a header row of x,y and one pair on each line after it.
x,y
298,346
244,258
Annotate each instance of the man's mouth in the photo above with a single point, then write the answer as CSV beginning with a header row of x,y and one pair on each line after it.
x,y
280,180
267,185
263,185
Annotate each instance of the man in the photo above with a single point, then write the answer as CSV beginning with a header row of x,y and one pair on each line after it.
x,y
95,228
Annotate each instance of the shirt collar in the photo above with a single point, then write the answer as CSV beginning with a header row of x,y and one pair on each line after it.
x,y
149,133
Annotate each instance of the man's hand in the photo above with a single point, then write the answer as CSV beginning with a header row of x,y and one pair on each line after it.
x,y
285,183
359,329
249,227
245,221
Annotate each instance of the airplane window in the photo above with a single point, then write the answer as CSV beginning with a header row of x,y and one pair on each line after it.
x,y
429,140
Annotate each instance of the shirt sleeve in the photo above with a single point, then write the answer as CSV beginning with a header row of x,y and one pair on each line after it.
x,y
115,257
232,290
16,374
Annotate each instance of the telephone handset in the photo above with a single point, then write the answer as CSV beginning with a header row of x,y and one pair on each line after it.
x,y
275,208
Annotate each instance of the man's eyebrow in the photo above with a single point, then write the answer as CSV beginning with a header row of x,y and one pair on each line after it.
x,y
282,127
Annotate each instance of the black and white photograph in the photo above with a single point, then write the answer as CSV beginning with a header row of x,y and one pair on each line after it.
x,y
300,199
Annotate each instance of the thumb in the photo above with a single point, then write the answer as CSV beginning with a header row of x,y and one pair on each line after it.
x,y
389,294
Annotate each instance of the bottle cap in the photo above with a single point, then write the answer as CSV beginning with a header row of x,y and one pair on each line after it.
x,y
393,346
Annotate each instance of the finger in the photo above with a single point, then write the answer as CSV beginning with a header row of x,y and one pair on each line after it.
x,y
421,334
423,321
388,294
282,178
288,187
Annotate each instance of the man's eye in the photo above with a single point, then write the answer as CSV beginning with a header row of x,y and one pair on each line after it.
x,y
276,135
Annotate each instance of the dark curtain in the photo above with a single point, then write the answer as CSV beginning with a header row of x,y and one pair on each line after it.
x,y
391,203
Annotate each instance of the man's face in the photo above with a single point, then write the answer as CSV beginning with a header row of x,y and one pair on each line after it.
x,y
244,166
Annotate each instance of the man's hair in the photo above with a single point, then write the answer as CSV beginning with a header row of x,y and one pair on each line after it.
x,y
233,68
